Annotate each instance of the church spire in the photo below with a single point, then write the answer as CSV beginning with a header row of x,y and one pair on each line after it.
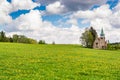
x,y
102,33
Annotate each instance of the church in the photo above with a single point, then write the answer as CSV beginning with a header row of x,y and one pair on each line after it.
x,y
100,42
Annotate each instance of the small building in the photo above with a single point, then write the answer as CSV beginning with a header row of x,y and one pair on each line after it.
x,y
100,42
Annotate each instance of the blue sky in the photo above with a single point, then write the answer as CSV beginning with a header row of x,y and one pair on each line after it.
x,y
54,20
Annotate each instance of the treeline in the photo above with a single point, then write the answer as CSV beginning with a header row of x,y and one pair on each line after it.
x,y
19,39
16,39
113,46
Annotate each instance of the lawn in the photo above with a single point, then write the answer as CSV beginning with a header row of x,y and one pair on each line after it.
x,y
57,62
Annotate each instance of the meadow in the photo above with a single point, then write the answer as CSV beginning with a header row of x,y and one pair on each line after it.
x,y
57,62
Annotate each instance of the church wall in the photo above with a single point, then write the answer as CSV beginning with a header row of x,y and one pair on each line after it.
x,y
101,44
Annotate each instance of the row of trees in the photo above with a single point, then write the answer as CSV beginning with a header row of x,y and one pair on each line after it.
x,y
88,37
19,39
22,39
113,46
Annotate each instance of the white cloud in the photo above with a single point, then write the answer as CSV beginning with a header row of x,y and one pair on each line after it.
x,y
103,17
101,12
72,21
5,8
23,4
115,19
30,21
32,25
55,7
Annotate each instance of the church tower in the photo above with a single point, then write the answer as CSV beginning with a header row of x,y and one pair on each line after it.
x,y
100,42
102,33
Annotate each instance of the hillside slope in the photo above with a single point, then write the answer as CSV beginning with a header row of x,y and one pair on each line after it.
x,y
51,62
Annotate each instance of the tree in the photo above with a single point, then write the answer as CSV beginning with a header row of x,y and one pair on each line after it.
x,y
41,42
32,41
15,38
87,39
22,39
108,45
10,39
2,37
94,34
53,42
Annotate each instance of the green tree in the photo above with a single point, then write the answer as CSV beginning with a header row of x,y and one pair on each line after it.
x,y
87,39
41,42
108,45
23,39
94,34
2,37
10,39
15,38
32,41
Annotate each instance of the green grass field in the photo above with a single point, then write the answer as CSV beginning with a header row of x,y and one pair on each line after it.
x,y
57,62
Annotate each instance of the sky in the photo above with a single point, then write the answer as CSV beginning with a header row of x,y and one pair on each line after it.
x,y
61,21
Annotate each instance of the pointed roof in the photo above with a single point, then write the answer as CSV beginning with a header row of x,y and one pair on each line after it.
x,y
102,33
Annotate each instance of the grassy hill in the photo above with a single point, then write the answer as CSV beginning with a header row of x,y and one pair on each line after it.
x,y
57,62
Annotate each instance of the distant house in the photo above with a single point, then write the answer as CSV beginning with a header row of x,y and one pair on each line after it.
x,y
100,42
